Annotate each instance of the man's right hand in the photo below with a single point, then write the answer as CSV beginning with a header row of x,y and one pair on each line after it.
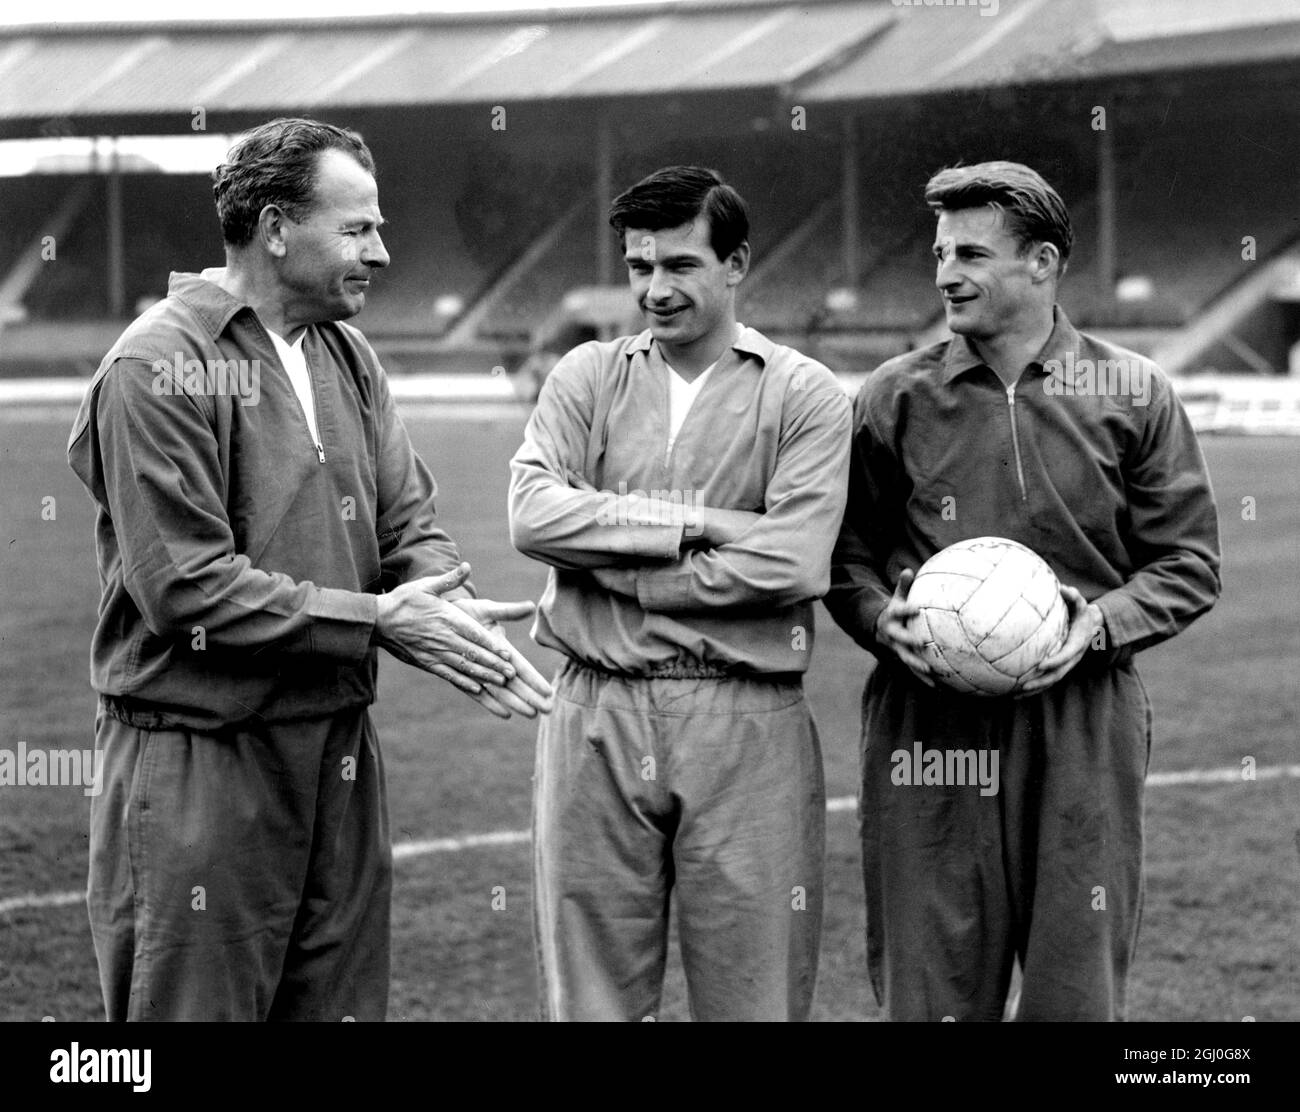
x,y
894,633
710,527
418,626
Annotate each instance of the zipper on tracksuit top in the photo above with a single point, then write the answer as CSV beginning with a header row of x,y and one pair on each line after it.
x,y
1015,441
315,404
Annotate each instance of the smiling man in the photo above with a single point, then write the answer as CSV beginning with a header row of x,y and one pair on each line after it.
x,y
685,486
974,437
254,552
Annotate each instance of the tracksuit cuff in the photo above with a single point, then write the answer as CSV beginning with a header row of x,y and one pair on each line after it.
x,y
1123,618
870,607
664,588
343,624
661,542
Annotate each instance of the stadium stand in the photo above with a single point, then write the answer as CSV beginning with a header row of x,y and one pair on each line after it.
x,y
488,229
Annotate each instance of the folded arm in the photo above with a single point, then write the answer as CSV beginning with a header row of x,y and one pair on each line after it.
x,y
575,526
781,556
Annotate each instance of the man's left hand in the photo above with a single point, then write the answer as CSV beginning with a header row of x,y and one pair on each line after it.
x,y
527,692
1085,619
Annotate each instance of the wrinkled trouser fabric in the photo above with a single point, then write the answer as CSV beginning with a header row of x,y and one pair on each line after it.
x,y
709,787
1048,870
242,875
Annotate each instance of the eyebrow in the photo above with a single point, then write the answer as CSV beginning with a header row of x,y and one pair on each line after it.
x,y
635,256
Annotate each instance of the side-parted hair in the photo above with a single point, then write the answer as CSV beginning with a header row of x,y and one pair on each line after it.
x,y
276,164
1032,209
676,195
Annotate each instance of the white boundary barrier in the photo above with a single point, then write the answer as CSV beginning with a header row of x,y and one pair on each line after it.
x,y
1251,404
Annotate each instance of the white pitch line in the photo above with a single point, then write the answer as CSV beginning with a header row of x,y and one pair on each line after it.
x,y
404,850
442,411
452,845
53,899
1219,775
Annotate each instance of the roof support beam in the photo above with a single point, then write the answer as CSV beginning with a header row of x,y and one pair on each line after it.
x,y
851,199
1106,265
116,276
604,195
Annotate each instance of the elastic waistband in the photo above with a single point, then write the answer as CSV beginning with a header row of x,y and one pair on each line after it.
x,y
684,670
142,716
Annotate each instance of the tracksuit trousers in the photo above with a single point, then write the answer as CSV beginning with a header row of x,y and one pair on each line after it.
x,y
1047,870
241,875
710,787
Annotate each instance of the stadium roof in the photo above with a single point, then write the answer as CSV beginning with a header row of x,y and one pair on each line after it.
x,y
110,69
816,50
936,49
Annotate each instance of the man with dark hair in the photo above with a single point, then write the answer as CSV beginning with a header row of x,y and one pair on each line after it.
x,y
1000,432
259,535
684,485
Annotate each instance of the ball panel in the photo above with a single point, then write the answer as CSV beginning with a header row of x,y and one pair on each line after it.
x,y
1017,627
963,560
1025,657
944,590
984,615
935,653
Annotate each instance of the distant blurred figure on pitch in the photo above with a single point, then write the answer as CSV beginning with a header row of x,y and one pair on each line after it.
x,y
546,351
1018,427
685,485
263,527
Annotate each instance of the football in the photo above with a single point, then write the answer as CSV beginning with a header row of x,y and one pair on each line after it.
x,y
990,612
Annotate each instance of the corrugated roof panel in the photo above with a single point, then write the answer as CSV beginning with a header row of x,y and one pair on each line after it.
x,y
428,69
1128,22
659,64
1041,40
917,43
53,81
176,78
929,48
1243,45
543,64
291,79
789,49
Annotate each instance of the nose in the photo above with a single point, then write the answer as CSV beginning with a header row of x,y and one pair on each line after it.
x,y
660,289
946,273
374,254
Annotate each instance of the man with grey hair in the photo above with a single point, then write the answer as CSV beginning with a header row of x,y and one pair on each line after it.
x,y
986,434
256,547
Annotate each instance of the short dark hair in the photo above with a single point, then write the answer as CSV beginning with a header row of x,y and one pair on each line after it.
x,y
276,164
1032,209
676,195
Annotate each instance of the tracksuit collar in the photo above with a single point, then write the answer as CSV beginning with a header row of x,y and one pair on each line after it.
x,y
749,342
213,306
961,357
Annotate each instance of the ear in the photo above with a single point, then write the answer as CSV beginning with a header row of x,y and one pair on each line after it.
x,y
737,264
1045,262
271,231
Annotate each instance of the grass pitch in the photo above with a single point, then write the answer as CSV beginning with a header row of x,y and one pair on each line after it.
x,y
1218,935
